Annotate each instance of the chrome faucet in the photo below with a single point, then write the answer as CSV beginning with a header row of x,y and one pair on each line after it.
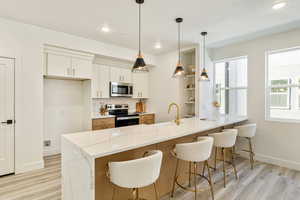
x,y
177,120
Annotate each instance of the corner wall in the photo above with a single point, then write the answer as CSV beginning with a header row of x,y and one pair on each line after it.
x,y
275,142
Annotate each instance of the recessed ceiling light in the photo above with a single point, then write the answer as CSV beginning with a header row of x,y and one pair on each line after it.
x,y
157,46
279,5
105,29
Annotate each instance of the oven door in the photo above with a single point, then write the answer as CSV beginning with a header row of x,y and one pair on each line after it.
x,y
121,89
127,121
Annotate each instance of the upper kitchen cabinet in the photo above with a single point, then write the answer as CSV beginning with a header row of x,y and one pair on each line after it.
x,y
100,81
140,85
120,75
63,63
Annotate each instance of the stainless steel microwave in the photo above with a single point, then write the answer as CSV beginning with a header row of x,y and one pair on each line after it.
x,y
121,89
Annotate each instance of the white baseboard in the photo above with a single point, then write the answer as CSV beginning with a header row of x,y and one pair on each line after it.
x,y
50,152
30,166
272,160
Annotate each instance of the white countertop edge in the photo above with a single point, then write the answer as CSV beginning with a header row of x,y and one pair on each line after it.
x,y
94,156
102,116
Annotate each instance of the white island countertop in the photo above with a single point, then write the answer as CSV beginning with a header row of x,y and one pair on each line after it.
x,y
96,144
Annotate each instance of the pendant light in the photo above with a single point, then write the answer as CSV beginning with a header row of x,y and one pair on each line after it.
x,y
204,75
140,65
179,70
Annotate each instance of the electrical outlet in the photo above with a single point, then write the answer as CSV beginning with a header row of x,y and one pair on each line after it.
x,y
47,143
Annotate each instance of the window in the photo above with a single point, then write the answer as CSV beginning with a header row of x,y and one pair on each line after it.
x,y
283,85
231,86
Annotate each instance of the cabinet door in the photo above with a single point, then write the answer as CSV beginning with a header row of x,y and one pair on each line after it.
x,y
126,75
82,68
140,85
115,74
96,82
59,65
104,77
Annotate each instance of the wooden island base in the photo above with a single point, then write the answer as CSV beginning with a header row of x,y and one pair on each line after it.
x,y
104,189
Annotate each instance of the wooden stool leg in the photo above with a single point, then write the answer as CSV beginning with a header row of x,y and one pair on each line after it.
x,y
190,173
203,170
195,179
251,153
175,176
114,192
156,192
233,162
216,155
210,181
224,169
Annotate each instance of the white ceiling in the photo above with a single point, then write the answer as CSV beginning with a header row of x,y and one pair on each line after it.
x,y
224,20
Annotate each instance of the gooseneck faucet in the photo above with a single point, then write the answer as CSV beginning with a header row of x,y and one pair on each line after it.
x,y
177,120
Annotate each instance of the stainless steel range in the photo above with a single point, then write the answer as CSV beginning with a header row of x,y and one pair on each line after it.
x,y
123,118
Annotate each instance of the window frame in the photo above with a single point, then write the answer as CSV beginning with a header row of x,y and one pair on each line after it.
x,y
229,88
268,87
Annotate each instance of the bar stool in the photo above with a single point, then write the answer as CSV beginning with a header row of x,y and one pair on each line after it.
x,y
194,152
248,131
135,174
225,140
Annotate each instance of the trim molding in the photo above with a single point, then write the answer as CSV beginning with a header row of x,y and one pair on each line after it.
x,y
272,160
30,166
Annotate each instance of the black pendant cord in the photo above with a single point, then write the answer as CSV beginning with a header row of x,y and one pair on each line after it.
x,y
179,53
204,52
139,29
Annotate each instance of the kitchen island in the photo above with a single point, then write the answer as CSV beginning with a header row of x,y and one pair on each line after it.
x,y
85,155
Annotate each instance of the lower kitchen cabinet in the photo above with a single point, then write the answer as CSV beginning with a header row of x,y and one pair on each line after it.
x,y
147,119
103,123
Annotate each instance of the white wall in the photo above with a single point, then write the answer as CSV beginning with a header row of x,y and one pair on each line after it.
x,y
25,43
164,89
63,111
275,142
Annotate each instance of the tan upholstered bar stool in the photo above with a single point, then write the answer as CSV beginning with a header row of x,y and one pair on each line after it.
x,y
194,153
135,174
248,131
225,140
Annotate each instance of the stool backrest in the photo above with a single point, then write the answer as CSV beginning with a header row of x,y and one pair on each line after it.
x,y
247,130
227,138
136,173
195,151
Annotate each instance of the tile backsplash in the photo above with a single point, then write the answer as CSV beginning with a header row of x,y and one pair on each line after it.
x,y
98,102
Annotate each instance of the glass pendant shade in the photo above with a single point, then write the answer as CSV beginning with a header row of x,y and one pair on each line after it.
x,y
179,70
140,65
204,75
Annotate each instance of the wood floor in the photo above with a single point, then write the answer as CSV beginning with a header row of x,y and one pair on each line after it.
x,y
265,182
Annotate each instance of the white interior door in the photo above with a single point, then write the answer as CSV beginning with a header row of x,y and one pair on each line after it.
x,y
7,127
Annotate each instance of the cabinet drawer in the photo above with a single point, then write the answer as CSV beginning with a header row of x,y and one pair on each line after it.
x,y
147,119
105,123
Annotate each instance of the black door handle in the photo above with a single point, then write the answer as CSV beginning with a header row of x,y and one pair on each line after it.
x,y
9,121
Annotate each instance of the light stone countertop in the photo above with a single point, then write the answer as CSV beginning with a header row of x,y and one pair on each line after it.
x,y
102,143
98,116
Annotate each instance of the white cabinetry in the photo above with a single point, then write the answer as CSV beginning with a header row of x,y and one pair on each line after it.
x,y
120,75
58,65
100,81
81,68
62,63
140,85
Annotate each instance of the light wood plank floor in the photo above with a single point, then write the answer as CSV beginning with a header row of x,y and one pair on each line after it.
x,y
265,182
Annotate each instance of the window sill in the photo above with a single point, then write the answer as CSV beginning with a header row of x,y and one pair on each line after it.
x,y
283,120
